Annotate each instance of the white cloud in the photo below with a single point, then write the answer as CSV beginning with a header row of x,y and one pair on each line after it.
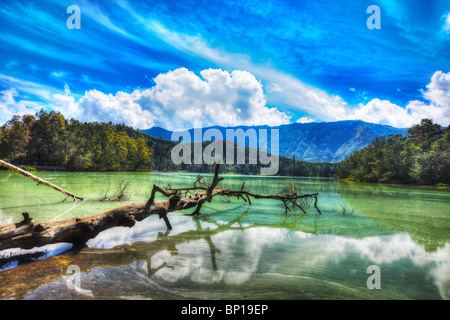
x,y
66,89
23,86
439,89
10,106
282,89
383,112
179,98
446,26
273,87
437,106
304,252
305,120
118,108
218,98
66,105
8,96
57,74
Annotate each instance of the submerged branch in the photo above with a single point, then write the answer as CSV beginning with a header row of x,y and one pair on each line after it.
x,y
120,194
28,233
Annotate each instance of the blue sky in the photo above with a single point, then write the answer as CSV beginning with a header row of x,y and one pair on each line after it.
x,y
168,63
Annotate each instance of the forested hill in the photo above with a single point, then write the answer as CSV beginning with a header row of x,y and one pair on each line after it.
x,y
48,139
317,141
420,157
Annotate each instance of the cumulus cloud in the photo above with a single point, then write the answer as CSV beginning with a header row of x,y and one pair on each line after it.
x,y
436,106
67,105
383,112
321,105
305,120
439,89
178,98
118,108
10,105
217,98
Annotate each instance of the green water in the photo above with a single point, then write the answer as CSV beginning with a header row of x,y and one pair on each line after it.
x,y
233,250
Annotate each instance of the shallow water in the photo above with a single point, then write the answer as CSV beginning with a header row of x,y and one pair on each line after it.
x,y
233,250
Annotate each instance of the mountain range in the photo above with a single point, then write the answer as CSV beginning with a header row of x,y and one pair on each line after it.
x,y
314,141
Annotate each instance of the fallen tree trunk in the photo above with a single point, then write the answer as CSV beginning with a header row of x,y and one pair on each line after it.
x,y
19,281
39,180
29,234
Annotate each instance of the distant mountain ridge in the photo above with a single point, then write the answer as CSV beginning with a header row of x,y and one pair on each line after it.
x,y
314,141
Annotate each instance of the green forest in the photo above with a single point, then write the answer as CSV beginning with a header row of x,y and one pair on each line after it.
x,y
420,157
49,140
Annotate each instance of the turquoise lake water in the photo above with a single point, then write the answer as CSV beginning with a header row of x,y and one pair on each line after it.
x,y
233,250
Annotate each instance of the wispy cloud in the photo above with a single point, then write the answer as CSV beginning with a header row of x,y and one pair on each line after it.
x,y
304,60
34,89
446,26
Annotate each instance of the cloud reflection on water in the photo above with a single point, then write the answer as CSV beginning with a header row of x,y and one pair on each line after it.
x,y
243,256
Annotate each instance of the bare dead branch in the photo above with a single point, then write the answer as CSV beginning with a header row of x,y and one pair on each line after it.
x,y
28,233
39,180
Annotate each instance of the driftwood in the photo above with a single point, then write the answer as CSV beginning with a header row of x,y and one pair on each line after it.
x,y
39,180
29,234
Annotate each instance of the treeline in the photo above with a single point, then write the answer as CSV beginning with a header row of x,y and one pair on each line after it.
x,y
420,157
48,139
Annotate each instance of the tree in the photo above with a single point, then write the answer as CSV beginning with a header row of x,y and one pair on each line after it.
x,y
422,157
424,134
49,144
15,137
48,139
143,155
